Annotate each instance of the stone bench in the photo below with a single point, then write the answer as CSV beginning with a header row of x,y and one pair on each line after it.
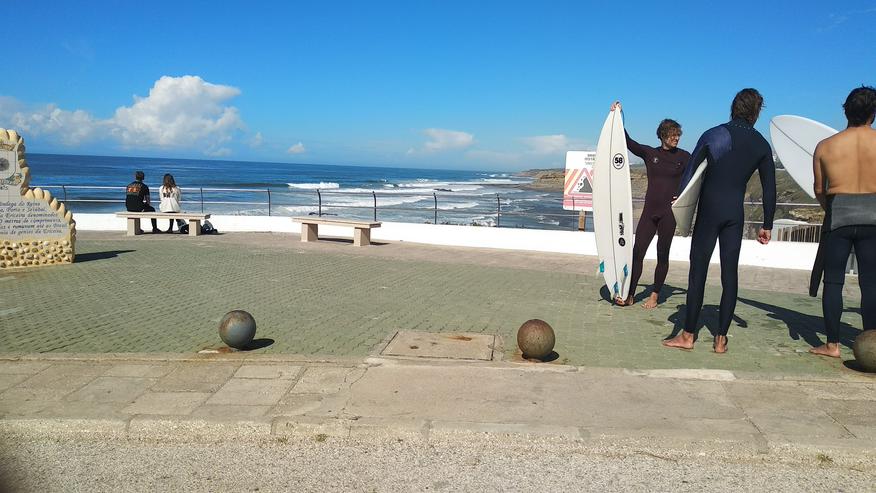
x,y
134,218
361,229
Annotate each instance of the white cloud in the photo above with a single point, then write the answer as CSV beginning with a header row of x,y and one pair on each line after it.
x,y
179,112
443,140
70,127
257,140
296,149
547,144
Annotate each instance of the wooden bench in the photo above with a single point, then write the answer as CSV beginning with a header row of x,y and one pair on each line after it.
x,y
361,229
134,218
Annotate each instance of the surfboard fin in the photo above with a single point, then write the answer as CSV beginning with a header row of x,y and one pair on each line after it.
x,y
601,267
616,290
626,271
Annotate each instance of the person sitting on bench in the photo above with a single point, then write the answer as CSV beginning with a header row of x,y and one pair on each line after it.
x,y
171,196
137,198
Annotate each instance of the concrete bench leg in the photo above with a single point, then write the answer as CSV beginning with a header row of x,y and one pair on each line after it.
x,y
362,237
134,226
309,232
194,227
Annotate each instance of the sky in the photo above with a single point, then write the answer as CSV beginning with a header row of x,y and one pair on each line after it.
x,y
481,85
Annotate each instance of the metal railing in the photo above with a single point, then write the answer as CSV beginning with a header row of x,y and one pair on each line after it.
x,y
498,210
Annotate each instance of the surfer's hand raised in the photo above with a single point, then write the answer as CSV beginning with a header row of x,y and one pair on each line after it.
x,y
764,236
615,105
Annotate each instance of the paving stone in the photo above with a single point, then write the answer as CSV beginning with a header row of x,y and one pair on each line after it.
x,y
22,367
112,389
172,403
139,370
313,404
196,377
326,380
84,409
230,411
9,379
251,391
286,372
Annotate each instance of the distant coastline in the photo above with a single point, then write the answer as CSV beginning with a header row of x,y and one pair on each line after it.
x,y
787,191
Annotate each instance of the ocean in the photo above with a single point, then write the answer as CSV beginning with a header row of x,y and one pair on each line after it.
x,y
95,184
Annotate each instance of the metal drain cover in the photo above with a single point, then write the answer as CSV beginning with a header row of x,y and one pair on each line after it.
x,y
449,345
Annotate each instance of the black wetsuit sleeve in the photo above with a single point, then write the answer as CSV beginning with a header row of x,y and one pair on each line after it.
x,y
636,148
700,152
767,171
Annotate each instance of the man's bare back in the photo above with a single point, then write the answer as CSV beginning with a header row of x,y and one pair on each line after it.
x,y
847,161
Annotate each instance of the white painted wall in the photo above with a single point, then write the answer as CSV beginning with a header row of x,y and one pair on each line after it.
x,y
782,255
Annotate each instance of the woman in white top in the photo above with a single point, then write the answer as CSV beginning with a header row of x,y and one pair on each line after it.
x,y
170,199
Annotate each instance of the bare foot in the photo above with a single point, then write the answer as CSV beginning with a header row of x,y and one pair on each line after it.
x,y
621,302
651,302
830,349
684,340
720,345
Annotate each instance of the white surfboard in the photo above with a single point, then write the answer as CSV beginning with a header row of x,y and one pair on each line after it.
x,y
794,139
685,205
613,206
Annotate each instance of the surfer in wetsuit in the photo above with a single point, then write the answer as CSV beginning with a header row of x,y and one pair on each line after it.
x,y
735,150
664,166
845,186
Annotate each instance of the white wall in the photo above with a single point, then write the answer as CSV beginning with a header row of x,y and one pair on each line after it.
x,y
783,255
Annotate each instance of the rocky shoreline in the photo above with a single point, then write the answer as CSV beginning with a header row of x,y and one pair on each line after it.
x,y
787,191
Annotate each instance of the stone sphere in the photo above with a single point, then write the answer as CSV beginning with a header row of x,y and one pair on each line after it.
x,y
536,339
865,350
237,329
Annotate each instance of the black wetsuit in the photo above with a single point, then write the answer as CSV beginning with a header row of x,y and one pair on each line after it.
x,y
735,150
664,168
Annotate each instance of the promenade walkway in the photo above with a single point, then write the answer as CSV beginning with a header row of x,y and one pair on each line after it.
x,y
110,347
166,294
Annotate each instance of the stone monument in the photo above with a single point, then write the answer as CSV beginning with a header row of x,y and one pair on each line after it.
x,y
35,229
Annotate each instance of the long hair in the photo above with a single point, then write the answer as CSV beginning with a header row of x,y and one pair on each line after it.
x,y
169,181
747,105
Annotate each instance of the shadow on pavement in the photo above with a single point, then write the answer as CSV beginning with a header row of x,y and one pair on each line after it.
x,y
708,319
806,326
665,293
87,257
259,344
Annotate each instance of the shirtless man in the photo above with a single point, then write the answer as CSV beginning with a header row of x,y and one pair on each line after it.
x,y
735,150
845,186
664,166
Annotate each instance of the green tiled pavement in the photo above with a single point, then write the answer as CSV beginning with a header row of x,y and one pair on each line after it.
x,y
167,294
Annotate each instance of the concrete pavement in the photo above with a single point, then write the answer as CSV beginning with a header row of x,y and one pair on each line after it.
x,y
245,397
108,349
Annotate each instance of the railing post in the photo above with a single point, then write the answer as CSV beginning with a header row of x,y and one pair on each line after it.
x,y
374,194
269,201
319,199
435,196
498,210
202,199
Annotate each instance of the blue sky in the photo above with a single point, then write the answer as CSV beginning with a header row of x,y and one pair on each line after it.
x,y
477,84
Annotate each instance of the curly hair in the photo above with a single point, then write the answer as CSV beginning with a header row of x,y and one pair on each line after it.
x,y
860,106
668,128
747,105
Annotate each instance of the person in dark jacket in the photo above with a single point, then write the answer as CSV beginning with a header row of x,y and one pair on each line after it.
x,y
735,150
137,198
